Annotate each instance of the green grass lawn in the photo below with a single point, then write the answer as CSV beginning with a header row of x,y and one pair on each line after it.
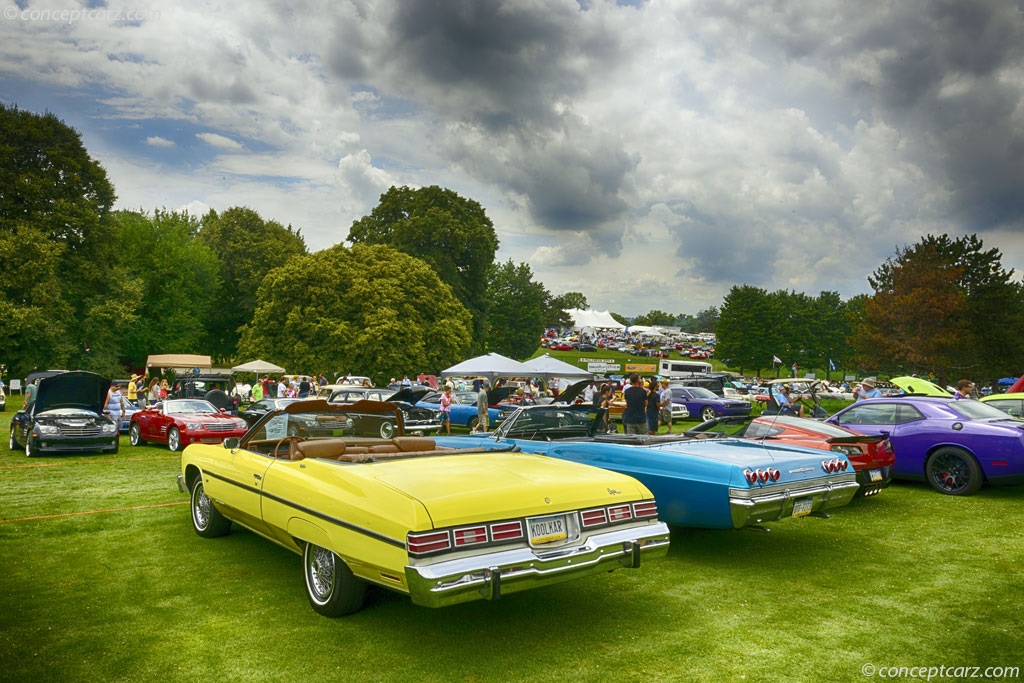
x,y
103,579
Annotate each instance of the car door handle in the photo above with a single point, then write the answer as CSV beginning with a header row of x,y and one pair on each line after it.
x,y
259,477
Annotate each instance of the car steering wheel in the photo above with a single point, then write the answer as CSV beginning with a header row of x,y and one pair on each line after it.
x,y
292,440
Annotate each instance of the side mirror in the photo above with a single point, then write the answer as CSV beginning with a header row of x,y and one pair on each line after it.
x,y
232,442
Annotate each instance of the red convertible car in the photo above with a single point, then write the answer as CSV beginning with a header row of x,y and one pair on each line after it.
x,y
179,422
872,457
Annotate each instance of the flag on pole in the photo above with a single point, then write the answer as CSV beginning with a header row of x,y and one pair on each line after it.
x,y
776,359
831,365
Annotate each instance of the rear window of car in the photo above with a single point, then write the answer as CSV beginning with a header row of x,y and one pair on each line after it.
x,y
976,410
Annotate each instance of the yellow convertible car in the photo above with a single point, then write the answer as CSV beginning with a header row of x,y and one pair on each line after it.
x,y
442,525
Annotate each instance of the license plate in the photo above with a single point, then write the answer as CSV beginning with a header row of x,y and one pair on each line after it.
x,y
547,529
875,475
802,507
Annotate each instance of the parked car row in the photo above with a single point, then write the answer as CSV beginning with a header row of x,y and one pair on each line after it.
x,y
357,489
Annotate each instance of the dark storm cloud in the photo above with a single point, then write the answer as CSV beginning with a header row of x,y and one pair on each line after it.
x,y
956,87
506,73
501,63
950,79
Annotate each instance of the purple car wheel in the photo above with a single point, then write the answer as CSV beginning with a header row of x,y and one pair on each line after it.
x,y
953,472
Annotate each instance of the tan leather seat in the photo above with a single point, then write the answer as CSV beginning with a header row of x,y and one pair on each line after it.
x,y
408,444
320,449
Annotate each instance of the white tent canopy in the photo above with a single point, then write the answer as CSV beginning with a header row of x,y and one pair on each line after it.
x,y
599,320
491,366
547,367
260,367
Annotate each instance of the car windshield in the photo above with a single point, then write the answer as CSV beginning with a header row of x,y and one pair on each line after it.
x,y
177,407
548,422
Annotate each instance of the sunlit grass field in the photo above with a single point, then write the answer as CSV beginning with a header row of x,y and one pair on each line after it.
x,y
103,579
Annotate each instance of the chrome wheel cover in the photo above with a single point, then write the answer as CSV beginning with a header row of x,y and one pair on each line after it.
x,y
202,508
320,573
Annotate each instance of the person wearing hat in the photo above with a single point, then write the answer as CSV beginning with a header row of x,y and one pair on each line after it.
x,y
132,390
786,403
866,389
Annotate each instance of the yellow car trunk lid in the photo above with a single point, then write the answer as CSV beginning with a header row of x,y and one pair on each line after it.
x,y
462,489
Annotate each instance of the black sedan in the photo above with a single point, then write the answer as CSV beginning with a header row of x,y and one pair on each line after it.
x,y
66,417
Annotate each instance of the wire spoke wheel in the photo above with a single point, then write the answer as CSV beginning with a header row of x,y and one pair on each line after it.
x,y
330,585
320,571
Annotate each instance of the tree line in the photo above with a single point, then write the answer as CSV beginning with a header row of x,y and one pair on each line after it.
x,y
415,287
90,287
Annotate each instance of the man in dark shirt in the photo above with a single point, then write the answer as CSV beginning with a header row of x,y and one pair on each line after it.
x,y
304,388
634,417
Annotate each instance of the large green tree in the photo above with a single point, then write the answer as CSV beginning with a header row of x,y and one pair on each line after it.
x,y
556,309
35,317
247,247
743,329
706,320
452,234
369,310
177,282
54,194
517,308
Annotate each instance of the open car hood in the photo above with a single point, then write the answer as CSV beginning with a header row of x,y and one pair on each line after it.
x,y
410,395
77,389
573,391
921,387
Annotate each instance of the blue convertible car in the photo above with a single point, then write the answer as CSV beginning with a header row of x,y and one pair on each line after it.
x,y
698,481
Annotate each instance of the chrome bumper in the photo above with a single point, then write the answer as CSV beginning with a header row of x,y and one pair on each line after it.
x,y
487,577
181,483
776,501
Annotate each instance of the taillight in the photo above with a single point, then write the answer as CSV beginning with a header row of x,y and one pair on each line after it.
x,y
647,508
594,517
507,531
429,542
762,476
837,465
470,536
619,513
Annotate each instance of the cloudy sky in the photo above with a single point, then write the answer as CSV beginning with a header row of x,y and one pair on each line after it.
x,y
649,154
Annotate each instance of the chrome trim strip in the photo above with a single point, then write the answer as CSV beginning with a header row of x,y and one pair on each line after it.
x,y
507,571
774,502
